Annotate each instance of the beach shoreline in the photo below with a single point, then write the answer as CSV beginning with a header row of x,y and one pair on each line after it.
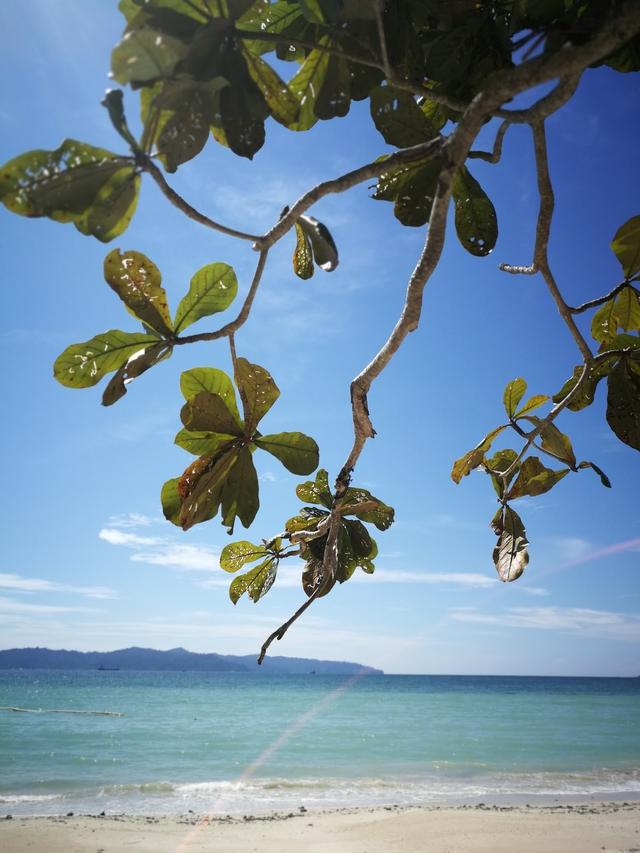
x,y
612,826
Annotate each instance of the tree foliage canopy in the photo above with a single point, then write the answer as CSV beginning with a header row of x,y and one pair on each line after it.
x,y
435,72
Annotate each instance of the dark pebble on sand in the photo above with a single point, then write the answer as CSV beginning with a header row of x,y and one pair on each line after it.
x,y
69,814
8,817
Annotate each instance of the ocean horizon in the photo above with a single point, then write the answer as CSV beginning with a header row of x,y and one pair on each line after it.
x,y
230,743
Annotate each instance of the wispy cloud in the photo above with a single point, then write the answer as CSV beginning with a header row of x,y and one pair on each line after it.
x,y
9,606
22,584
155,551
593,623
130,521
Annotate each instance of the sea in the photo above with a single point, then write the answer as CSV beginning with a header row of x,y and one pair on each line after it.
x,y
232,743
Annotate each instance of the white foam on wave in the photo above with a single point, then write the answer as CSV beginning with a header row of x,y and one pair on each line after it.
x,y
278,794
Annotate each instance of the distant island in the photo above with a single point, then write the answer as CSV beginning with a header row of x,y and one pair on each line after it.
x,y
178,659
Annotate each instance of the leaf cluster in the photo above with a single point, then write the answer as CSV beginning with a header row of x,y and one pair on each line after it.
x,y
223,477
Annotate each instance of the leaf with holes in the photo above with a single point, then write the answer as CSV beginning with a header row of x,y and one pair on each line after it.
x,y
475,215
511,554
258,392
256,582
145,55
237,554
137,281
138,364
398,117
209,413
91,187
84,365
316,492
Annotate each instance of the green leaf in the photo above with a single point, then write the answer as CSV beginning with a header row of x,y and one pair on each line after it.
x,y
398,117
283,104
499,463
313,576
182,132
511,554
513,393
212,289
623,404
554,440
297,451
134,367
137,281
235,555
306,84
380,514
626,245
534,479
200,442
317,492
171,501
465,465
475,215
113,102
84,365
203,500
257,581
532,404
207,412
605,322
628,309
91,187
240,492
258,392
302,255
334,97
586,393
215,381
603,477
325,253
412,187
361,541
146,55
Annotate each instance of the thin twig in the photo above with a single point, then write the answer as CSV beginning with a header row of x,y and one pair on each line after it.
x,y
593,303
495,155
190,211
279,633
234,325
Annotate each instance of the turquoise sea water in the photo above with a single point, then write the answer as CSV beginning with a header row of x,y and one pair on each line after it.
x,y
225,743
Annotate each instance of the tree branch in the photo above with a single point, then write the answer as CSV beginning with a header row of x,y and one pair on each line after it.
x,y
540,255
279,633
495,155
593,303
229,328
176,199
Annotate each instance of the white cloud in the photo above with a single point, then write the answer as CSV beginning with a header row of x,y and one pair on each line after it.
x,y
163,552
130,520
594,623
9,606
473,579
572,547
22,584
131,540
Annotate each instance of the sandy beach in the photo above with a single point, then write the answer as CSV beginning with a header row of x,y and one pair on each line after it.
x,y
575,828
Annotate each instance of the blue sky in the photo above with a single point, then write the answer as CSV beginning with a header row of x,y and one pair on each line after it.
x,y
87,560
